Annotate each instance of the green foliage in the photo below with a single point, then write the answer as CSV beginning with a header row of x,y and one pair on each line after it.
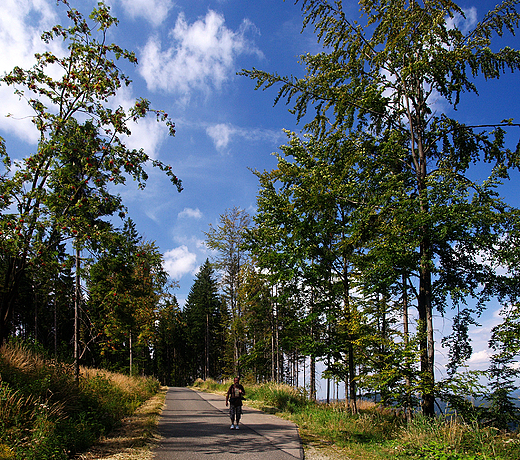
x,y
258,320
227,239
169,344
127,286
64,190
191,344
282,397
377,194
503,374
46,415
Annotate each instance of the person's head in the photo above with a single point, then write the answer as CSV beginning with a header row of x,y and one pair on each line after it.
x,y
236,380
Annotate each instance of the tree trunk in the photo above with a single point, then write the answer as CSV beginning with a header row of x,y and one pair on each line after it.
x,y
273,336
406,333
328,386
426,334
312,377
13,276
350,347
76,318
35,291
55,327
131,346
206,349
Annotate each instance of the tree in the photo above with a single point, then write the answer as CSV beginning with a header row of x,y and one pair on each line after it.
x,y
275,257
254,295
205,329
378,80
125,285
170,345
316,203
62,190
227,240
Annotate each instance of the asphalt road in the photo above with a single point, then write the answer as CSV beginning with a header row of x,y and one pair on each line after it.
x,y
196,425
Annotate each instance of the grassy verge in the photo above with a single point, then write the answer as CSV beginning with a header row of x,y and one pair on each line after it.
x,y
376,433
46,415
135,437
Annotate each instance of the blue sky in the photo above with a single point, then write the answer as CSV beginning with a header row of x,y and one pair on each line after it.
x,y
189,52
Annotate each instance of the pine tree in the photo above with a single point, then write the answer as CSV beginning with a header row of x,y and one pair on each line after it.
x,y
204,327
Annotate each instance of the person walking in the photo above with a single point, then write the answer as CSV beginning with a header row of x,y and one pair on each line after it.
x,y
234,397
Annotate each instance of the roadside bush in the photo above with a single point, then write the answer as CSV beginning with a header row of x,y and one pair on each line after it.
x,y
210,385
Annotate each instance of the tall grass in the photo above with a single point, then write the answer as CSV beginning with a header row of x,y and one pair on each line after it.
x,y
282,397
46,415
375,432
450,439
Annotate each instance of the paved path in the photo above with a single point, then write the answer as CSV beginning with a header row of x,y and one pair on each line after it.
x,y
195,425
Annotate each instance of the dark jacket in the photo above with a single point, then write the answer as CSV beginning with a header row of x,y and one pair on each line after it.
x,y
235,398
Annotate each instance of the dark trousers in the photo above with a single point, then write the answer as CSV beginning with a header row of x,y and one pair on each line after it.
x,y
235,412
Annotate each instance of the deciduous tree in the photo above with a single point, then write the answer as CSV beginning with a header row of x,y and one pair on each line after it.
x,y
62,190
379,78
227,240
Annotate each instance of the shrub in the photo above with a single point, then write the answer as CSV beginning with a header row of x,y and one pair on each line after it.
x,y
210,385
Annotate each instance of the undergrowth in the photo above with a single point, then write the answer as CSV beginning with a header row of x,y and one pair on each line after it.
x,y
46,415
375,432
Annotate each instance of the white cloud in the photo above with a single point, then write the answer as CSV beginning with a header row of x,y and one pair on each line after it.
x,y
479,358
220,134
200,56
154,11
20,37
179,261
191,213
148,134
463,24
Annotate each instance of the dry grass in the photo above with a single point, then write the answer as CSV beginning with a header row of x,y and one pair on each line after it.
x,y
41,404
128,384
136,436
17,356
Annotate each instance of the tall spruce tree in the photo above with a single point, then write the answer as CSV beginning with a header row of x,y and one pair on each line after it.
x,y
205,331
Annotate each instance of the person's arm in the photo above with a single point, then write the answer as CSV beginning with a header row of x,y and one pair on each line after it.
x,y
227,396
